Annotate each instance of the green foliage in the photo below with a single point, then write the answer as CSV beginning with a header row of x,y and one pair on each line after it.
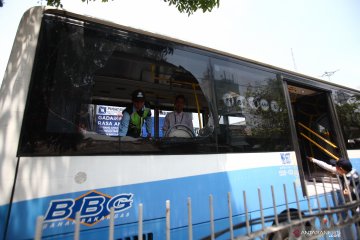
x,y
188,6
54,3
191,6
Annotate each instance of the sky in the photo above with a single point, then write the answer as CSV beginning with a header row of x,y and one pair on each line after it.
x,y
311,37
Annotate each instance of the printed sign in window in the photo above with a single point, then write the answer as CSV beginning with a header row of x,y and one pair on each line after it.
x,y
108,120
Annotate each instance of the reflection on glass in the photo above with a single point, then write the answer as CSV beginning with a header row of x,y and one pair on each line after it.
x,y
348,110
252,109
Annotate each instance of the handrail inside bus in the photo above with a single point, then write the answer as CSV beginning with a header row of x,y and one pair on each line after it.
x,y
316,144
317,135
197,105
320,147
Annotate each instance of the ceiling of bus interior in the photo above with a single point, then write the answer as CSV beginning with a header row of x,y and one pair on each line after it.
x,y
160,80
299,92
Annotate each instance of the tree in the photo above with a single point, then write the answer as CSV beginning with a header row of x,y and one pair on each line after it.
x,y
1,3
191,6
188,6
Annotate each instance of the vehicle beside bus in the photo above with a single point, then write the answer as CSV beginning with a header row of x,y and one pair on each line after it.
x,y
68,79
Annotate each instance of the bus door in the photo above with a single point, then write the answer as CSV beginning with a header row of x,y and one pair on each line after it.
x,y
315,126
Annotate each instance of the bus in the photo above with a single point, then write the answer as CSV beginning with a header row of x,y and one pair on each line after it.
x,y
67,81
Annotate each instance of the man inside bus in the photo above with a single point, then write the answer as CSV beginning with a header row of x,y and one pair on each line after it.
x,y
342,167
178,118
135,116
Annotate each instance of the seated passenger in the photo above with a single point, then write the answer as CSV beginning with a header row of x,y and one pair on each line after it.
x,y
178,117
135,116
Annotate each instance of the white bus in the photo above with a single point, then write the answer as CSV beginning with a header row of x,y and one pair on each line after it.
x,y
69,77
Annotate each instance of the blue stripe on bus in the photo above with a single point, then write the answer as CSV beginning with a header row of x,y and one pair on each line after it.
x,y
154,194
3,215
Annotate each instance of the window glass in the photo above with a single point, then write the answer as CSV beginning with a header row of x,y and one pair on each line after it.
x,y
251,109
82,83
348,110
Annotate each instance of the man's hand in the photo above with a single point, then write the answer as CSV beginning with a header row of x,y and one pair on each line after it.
x,y
309,158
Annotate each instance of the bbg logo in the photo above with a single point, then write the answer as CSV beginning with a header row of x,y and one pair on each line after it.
x,y
93,207
285,158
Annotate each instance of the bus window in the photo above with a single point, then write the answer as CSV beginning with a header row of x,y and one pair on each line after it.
x,y
251,108
82,81
348,110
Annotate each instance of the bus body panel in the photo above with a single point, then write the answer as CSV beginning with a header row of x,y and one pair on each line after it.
x,y
13,94
60,175
354,156
94,201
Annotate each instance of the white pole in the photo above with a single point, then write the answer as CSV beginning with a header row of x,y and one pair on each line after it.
x,y
261,209
39,225
212,217
230,217
140,224
111,224
167,219
190,219
246,215
77,226
274,205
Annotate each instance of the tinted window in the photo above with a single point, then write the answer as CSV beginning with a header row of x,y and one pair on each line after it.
x,y
348,110
251,109
82,81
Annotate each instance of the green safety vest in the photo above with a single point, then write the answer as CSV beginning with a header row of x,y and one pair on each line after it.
x,y
136,121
